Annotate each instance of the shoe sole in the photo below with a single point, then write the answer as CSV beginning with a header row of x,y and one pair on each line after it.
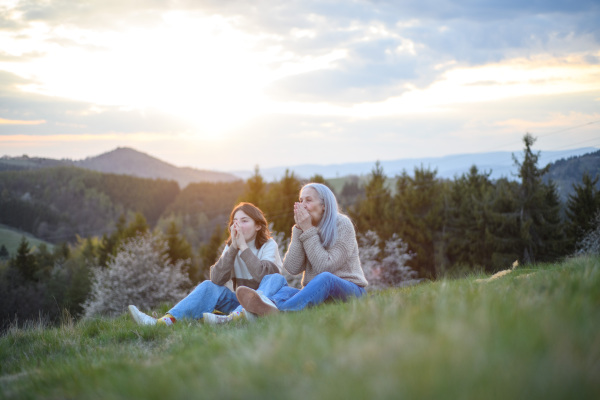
x,y
252,302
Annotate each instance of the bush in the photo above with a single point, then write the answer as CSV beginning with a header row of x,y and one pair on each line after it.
x,y
590,244
141,273
387,267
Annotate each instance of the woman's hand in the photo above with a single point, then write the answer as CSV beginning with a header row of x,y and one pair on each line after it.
x,y
301,217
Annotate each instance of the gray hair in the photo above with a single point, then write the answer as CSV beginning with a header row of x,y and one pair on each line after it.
x,y
328,224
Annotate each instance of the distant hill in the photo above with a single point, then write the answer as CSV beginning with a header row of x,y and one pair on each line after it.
x,y
127,161
499,163
566,172
123,161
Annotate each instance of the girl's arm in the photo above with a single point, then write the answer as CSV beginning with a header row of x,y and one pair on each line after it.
x,y
295,258
260,267
220,273
334,258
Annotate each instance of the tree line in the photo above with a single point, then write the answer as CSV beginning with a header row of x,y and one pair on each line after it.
x,y
420,222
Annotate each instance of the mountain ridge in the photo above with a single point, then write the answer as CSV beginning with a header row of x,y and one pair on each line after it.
x,y
123,161
499,164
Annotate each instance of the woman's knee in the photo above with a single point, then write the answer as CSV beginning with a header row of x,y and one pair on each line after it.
x,y
324,277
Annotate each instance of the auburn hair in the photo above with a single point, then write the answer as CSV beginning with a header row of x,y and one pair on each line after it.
x,y
263,234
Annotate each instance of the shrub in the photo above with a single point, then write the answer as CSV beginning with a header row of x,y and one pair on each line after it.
x,y
384,267
141,273
590,244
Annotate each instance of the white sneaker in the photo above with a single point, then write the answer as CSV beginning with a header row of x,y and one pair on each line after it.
x,y
140,317
215,319
250,316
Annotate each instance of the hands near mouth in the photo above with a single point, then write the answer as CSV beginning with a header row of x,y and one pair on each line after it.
x,y
302,217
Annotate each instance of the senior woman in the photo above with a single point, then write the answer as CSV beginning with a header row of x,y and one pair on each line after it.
x,y
323,247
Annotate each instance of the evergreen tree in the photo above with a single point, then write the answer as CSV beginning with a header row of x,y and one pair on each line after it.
x,y
351,192
582,206
210,252
419,217
374,212
4,255
178,247
503,232
539,221
137,227
468,220
25,262
280,203
255,189
109,243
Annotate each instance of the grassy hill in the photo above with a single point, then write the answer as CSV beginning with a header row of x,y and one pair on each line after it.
x,y
533,333
11,238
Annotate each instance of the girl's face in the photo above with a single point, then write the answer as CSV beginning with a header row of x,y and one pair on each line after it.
x,y
312,203
246,225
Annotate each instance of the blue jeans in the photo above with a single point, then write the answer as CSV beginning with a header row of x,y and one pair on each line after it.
x,y
208,297
322,287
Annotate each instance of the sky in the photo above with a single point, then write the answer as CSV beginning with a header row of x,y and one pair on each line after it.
x,y
228,85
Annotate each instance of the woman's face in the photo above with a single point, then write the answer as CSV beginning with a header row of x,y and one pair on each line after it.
x,y
246,225
312,203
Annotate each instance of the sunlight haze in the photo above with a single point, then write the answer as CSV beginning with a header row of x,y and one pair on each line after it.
x,y
229,85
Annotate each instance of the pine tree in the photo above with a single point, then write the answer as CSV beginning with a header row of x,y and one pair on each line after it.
x,y
539,221
280,203
374,212
25,262
210,252
419,217
255,189
468,220
582,206
4,255
178,247
503,231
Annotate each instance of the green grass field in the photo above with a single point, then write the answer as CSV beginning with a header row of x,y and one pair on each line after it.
x,y
532,334
11,238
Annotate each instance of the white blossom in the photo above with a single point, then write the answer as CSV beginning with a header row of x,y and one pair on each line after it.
x,y
387,267
141,273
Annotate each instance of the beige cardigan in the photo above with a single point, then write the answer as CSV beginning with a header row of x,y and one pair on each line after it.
x,y
307,254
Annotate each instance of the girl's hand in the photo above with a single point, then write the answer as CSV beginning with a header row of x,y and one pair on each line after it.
x,y
240,241
233,232
301,217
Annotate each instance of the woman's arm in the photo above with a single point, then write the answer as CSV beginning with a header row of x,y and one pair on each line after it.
x,y
220,273
260,267
295,259
334,258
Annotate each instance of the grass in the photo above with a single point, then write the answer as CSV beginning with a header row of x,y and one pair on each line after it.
x,y
534,333
11,238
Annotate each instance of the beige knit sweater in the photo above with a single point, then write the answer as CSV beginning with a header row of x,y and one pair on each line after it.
x,y
307,254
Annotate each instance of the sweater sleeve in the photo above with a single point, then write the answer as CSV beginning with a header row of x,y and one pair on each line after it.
x,y
258,267
295,259
333,258
221,272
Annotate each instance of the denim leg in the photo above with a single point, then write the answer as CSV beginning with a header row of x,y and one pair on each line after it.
x,y
206,297
271,284
284,294
320,288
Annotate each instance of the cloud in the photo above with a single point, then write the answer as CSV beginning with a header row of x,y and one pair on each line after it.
x,y
63,116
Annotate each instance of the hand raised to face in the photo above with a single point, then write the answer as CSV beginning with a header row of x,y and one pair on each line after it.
x,y
233,230
301,217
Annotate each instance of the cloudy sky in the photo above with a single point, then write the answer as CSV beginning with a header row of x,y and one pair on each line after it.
x,y
227,84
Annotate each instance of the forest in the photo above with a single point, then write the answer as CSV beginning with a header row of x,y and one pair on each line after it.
x,y
431,227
